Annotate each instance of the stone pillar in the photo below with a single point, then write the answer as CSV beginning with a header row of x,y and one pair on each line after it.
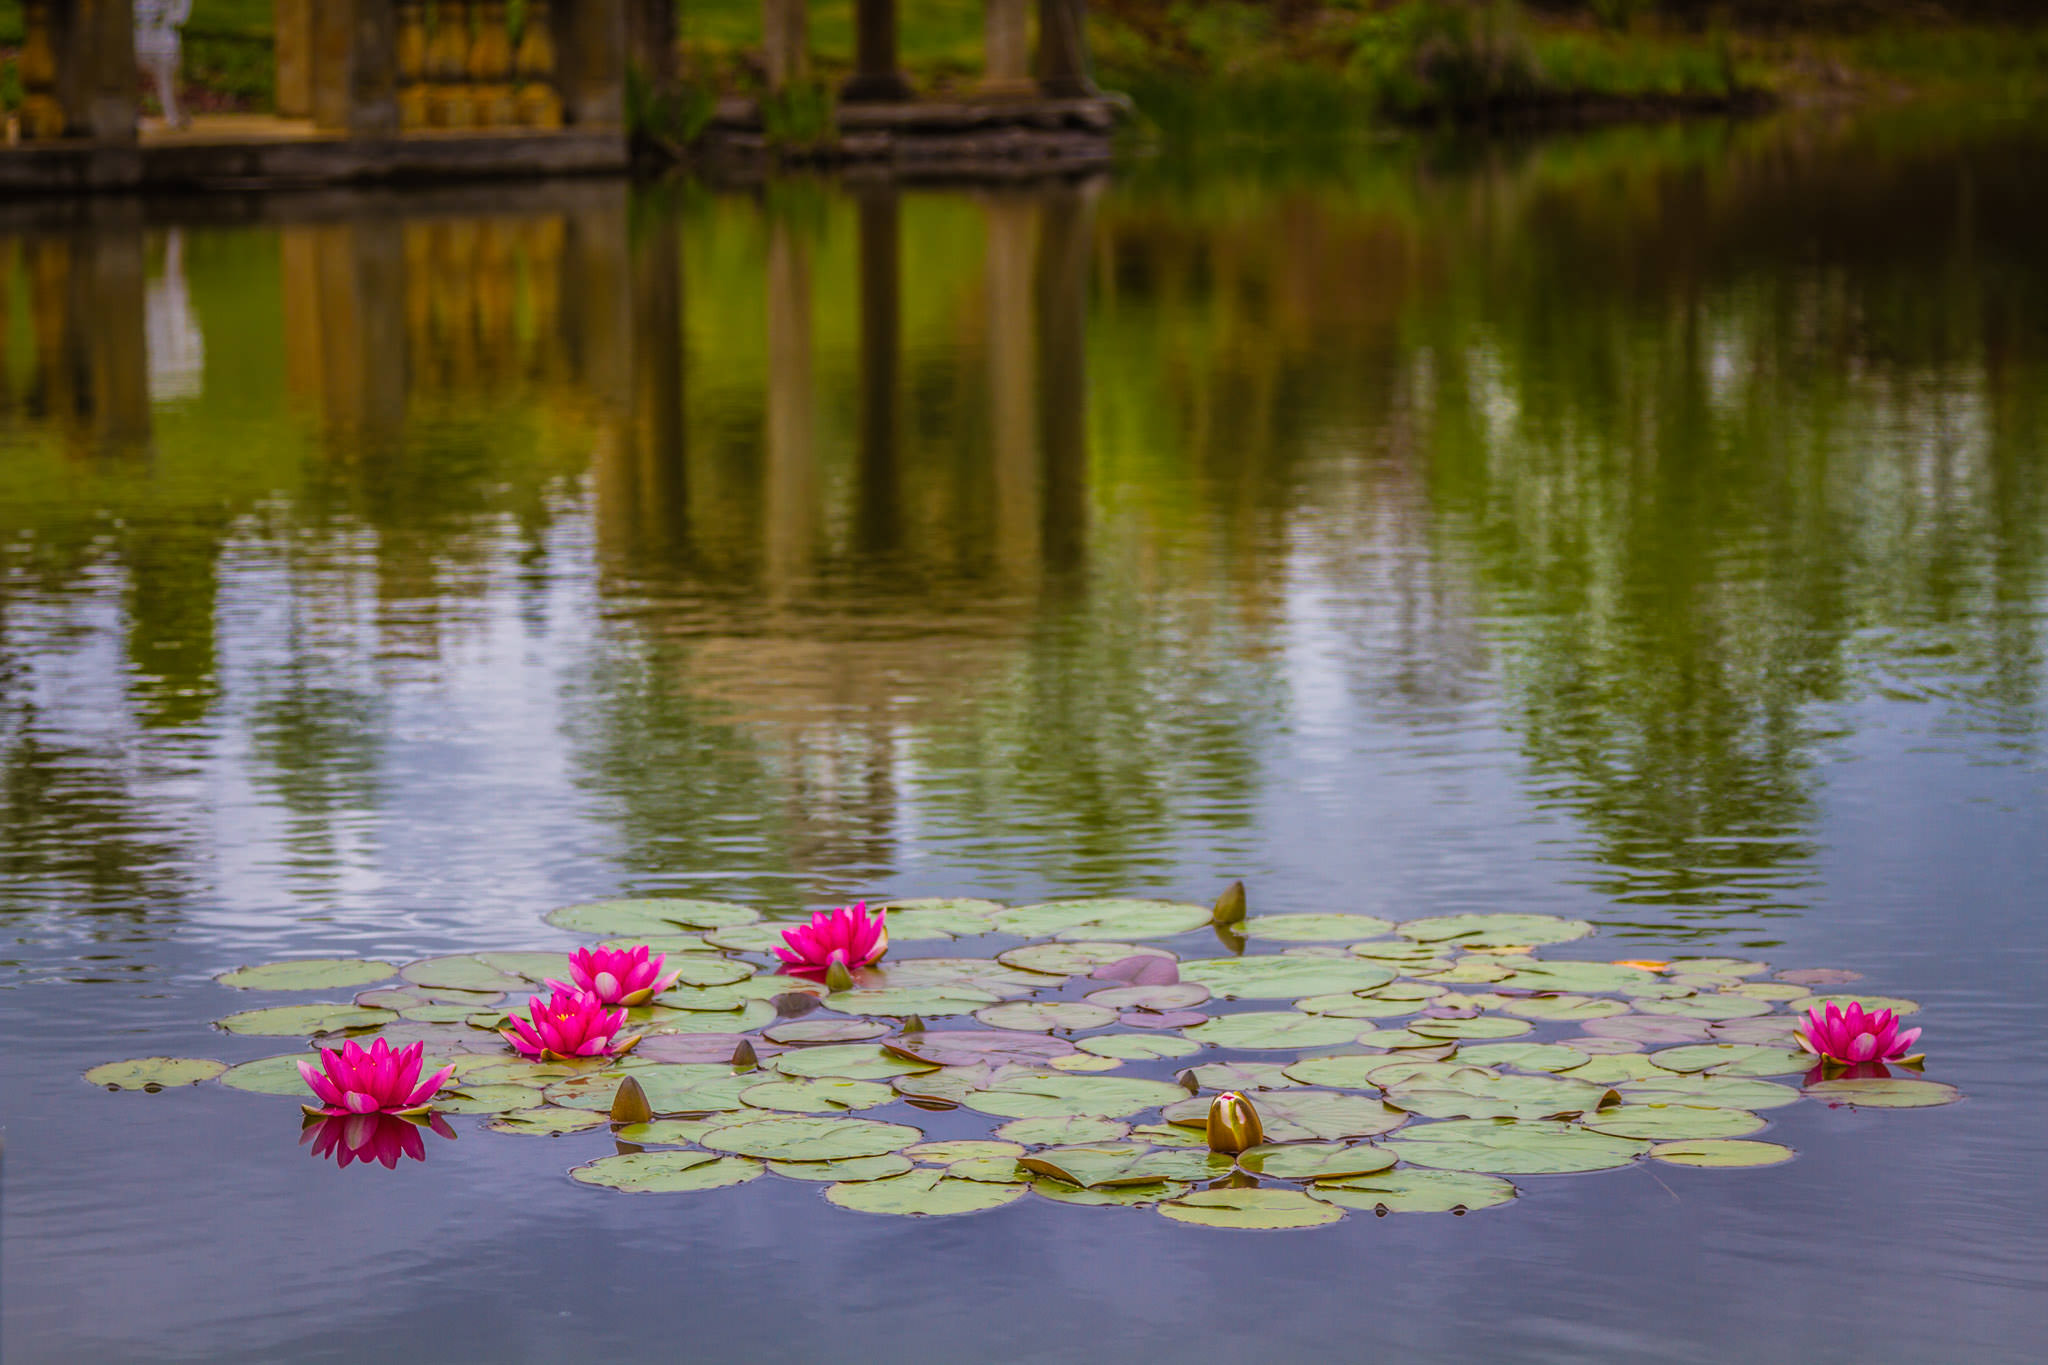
x,y
785,41
92,46
875,79
1063,50
292,27
590,61
876,518
355,66
1067,230
651,42
1006,49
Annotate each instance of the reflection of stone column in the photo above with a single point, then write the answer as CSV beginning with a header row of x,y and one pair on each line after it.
x,y
790,510
109,316
1063,370
876,77
878,517
355,66
642,491
1063,49
785,41
597,319
1006,51
292,40
345,324
1019,480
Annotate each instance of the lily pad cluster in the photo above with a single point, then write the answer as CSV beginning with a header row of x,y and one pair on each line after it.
x,y
1070,1051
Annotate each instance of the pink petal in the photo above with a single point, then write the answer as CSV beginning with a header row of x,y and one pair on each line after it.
x,y
430,1087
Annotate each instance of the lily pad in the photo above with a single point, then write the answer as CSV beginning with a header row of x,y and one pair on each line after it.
x,y
1271,1030
1108,1165
1303,1115
1535,974
818,1095
969,1047
1733,1059
900,1002
1720,1152
1347,1071
1885,1094
1315,1160
746,938
632,918
270,1076
1109,918
1673,1122
848,1061
1349,1005
1071,959
1315,928
1620,1068
1649,1028
1124,1196
465,972
483,1099
1262,1209
1062,1130
1514,1147
1178,996
1412,1191
1563,1008
1475,1094
1243,1075
668,1172
308,974
914,921
1056,1094
1768,1030
1400,952
851,1169
924,1193
811,1139
1139,1047
948,1151
1285,978
1723,1092
546,1121
158,1073
1551,1057
1484,1026
1493,931
667,1132
1706,1007
802,1031
672,1088
1871,1004
1043,1016
289,1021
1820,976
1769,990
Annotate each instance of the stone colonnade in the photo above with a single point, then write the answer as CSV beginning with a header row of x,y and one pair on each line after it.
x,y
1062,67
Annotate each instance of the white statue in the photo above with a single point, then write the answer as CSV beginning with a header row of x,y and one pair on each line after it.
x,y
159,50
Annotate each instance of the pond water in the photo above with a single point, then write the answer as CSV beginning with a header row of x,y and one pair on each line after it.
x,y
1649,527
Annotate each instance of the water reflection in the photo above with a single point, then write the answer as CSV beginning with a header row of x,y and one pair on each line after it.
x,y
385,1139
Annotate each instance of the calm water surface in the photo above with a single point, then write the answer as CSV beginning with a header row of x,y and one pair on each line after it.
x,y
1650,527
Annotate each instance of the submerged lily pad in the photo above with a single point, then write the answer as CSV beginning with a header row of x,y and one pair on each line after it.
x,y
1672,1122
308,974
158,1073
811,1139
1062,1130
1323,928
1885,1094
288,1021
818,1095
1315,1160
851,1169
632,918
1720,1152
1271,1030
1285,978
1514,1147
1259,1209
1493,931
925,1192
1110,918
666,1172
1413,1191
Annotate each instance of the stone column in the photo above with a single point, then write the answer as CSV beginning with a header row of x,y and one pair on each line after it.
x,y
590,61
292,27
876,518
651,41
1006,51
1063,50
785,41
355,66
875,79
1067,230
92,43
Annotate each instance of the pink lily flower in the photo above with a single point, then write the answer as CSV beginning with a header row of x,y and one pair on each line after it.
x,y
569,1023
383,1138
353,1079
851,935
1851,1036
620,976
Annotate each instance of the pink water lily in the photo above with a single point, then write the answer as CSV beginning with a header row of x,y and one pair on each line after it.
x,y
384,1138
353,1079
620,976
569,1023
1850,1036
851,935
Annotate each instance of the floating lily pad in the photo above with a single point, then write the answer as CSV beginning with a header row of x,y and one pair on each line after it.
x,y
818,1095
466,972
750,1016
1271,1030
1871,1004
1348,1005
1242,1075
1484,1026
157,1073
1348,1071
1514,1147
1062,1130
1649,1028
1601,1047
1045,1015
1552,1057
672,1088
1620,1068
1720,1152
1145,1019
1411,1191
1820,976
968,1047
289,1021
1303,1115
1724,1092
1400,952
270,1076
1706,1007
1085,1061
1108,1165
1673,1122
848,1061
1178,996
1768,1030
1071,959
1662,988
546,1121
668,1132
850,1170
1315,1160
746,938
1885,1094
811,1139
707,999
1769,990
945,1153
1720,966
632,918
308,974
1055,1094
1138,1047
1285,978
924,1193
1563,1008
407,997
914,921
483,1099
1250,1209
973,973
1112,918
1733,1059
1315,928
1470,1093
1124,1196
900,1002
801,1031
669,1172
1493,931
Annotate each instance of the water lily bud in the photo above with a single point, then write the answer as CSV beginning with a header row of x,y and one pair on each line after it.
x,y
744,1057
1230,906
1234,1124
912,1024
837,977
630,1104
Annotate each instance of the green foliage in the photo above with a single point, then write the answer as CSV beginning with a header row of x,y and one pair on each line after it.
x,y
10,85
799,115
674,117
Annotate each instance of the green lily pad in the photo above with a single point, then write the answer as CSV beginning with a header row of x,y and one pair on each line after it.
x,y
1399,952
1315,1160
971,1047
1108,1165
1721,1092
546,1121
1112,918
672,1088
1056,1094
1535,974
1475,1094
1769,990
1885,1094
1469,970
1706,1007
1043,1016
668,1172
749,1017
1720,1152
408,997
1062,1130
1871,1004
308,974
811,1139
483,1099
1250,1209
271,1076
1733,1059
913,921
705,970
1654,1029
1552,1057
1140,1047
1122,1196
466,972
1493,931
1241,1075
850,1170
1720,966
1599,1047
1766,1030
1303,1115
1411,1191
923,1193
1071,959
631,918
971,973
1562,1008
452,1014
1347,1005
1482,1026
950,1150
802,1031
1621,1068
847,1061
900,1002
300,1021
1285,978
1514,1147
707,999
746,938
667,1132
818,1095
1179,996
158,1073
1315,928
1660,988
1277,1029
1348,1071
1170,1135
1673,1122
